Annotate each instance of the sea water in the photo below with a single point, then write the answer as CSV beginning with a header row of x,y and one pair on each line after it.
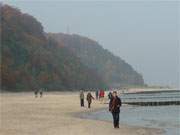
x,y
162,117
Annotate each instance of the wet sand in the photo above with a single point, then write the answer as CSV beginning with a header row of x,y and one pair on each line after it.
x,y
55,114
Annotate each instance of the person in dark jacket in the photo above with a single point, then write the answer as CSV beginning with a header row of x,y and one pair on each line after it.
x,y
41,92
97,94
89,99
110,95
81,98
36,93
114,108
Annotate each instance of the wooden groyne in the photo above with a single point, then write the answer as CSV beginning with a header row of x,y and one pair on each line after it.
x,y
153,103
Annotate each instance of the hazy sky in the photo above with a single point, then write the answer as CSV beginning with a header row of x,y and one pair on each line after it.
x,y
145,34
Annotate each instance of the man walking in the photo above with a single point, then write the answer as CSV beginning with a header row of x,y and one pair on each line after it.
x,y
89,99
81,98
114,108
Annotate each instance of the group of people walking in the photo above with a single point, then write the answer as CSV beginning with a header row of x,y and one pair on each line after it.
x,y
38,92
100,94
89,98
114,103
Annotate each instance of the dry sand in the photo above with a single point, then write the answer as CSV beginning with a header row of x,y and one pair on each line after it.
x,y
22,114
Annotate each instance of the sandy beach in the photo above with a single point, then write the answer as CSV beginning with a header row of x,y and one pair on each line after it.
x,y
55,114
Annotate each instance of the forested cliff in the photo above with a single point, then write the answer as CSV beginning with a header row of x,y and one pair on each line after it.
x,y
31,59
115,71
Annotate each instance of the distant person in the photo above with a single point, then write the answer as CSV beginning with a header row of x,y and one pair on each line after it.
x,y
110,95
89,99
114,108
97,94
36,93
81,98
101,95
41,93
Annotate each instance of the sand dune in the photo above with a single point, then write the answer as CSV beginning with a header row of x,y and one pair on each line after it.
x,y
54,114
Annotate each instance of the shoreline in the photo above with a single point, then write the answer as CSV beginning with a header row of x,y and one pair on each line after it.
x,y
57,114
82,115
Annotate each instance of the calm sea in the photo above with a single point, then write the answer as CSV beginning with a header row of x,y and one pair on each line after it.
x,y
163,117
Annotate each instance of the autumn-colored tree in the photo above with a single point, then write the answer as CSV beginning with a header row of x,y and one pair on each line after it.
x,y
31,59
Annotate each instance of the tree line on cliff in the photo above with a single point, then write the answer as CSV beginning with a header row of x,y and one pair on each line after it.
x,y
31,58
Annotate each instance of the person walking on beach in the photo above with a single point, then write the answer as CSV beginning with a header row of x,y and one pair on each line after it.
x,y
110,95
81,98
41,92
114,108
101,95
89,99
36,93
97,94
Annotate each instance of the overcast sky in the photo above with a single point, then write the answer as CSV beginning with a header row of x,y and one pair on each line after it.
x,y
145,34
